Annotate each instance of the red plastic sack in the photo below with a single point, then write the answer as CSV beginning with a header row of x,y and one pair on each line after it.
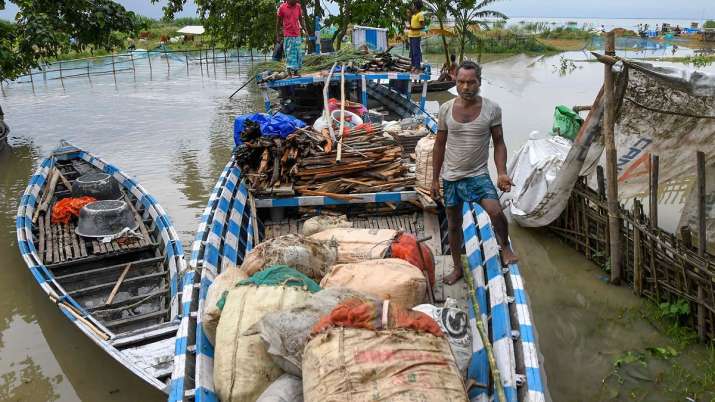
x,y
405,247
66,208
376,316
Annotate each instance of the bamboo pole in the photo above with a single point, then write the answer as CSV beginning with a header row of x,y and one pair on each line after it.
x,y
114,291
614,221
653,195
483,334
702,239
134,67
168,67
341,131
326,111
62,81
213,59
702,233
114,71
151,71
89,76
637,256
186,56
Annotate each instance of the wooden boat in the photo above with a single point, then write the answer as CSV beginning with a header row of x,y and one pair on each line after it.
x,y
122,294
234,221
433,86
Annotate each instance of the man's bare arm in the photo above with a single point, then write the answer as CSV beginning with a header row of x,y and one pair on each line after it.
x,y
503,181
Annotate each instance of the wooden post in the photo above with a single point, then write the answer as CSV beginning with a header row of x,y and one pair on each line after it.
x,y
213,59
601,182
653,188
168,67
44,73
702,233
114,71
686,237
62,81
134,67
32,81
637,256
89,76
702,239
614,220
186,56
151,71
201,65
225,62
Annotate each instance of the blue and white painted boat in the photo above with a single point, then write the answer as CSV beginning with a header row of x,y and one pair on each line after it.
x,y
233,222
139,324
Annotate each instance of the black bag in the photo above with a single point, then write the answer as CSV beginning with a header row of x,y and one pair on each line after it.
x,y
278,52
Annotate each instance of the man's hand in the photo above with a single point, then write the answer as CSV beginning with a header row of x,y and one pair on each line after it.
x,y
504,183
434,191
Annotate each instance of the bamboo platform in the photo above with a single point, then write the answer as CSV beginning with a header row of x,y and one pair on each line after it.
x,y
659,266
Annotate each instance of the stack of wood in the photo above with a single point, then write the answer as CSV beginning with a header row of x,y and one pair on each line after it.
x,y
307,163
386,61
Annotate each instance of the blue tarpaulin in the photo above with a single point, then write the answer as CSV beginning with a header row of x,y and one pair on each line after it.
x,y
277,125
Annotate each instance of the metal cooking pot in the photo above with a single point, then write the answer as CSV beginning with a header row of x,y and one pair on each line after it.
x,y
105,218
98,185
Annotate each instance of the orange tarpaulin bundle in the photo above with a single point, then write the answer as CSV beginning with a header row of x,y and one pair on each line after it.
x,y
405,247
376,316
66,208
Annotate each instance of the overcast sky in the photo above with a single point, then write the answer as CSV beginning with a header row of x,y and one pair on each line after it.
x,y
683,9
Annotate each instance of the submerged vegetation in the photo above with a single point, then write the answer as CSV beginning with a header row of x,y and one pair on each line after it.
x,y
677,369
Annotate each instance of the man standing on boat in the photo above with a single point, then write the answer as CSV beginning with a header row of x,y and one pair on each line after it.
x,y
467,124
290,19
414,34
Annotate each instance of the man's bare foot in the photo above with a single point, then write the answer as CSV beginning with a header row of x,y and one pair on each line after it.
x,y
508,257
452,278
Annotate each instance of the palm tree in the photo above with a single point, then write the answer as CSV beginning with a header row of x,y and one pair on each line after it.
x,y
468,13
440,9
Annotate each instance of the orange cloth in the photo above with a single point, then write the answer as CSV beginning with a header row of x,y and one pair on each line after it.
x,y
66,208
355,313
405,247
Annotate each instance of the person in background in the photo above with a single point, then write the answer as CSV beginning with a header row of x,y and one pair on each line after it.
x,y
467,124
414,34
290,19
449,70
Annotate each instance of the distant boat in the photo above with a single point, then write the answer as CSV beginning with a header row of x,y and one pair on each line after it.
x,y
433,86
122,294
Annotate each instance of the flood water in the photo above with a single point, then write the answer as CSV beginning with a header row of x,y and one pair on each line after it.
x,y
174,134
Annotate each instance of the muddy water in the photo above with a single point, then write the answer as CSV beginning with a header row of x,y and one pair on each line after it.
x,y
173,133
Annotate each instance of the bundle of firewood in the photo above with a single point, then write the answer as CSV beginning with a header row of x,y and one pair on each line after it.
x,y
386,61
310,163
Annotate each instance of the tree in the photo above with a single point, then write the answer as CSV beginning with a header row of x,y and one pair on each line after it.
x,y
468,14
440,10
245,23
44,29
389,14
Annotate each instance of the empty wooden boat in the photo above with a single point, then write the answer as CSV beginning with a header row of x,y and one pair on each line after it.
x,y
123,293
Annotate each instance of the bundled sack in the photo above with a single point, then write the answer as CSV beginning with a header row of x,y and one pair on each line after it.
x,y
287,388
313,257
286,332
359,244
324,222
389,278
242,367
405,247
395,363
454,323
227,280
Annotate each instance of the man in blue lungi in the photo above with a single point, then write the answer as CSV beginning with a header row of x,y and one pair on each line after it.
x,y
290,18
